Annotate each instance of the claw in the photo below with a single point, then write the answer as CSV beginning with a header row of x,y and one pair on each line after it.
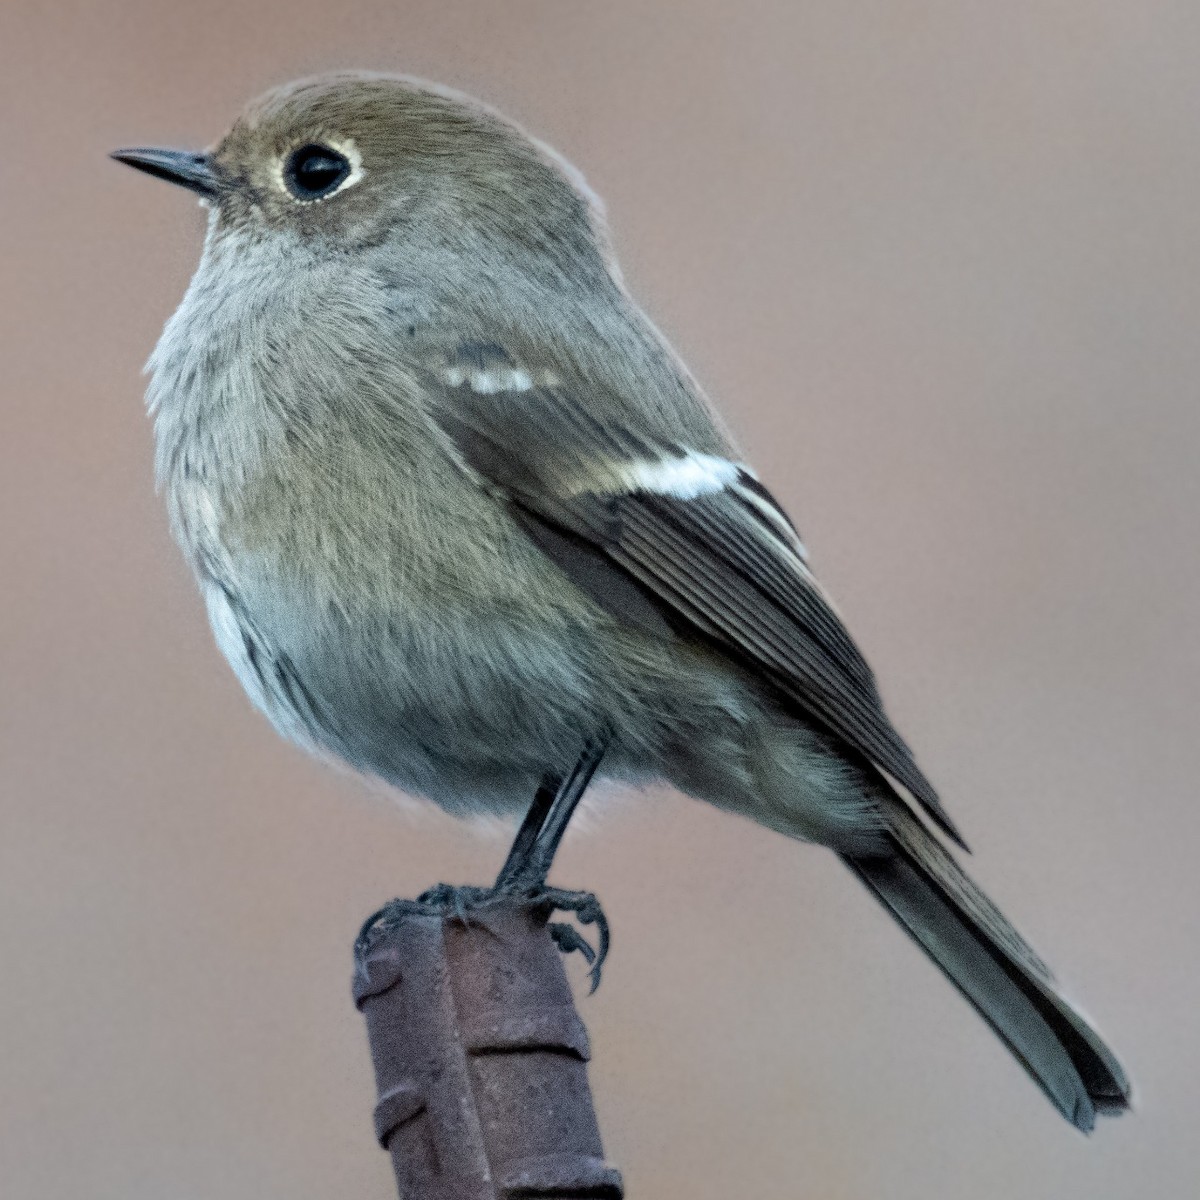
x,y
568,939
362,943
587,911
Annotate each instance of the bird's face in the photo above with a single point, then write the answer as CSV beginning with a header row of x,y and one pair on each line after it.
x,y
349,160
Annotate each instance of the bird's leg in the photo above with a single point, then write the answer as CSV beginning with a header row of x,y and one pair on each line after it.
x,y
531,827
564,806
532,854
537,841
524,874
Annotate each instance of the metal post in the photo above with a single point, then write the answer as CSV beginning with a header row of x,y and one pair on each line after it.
x,y
480,1057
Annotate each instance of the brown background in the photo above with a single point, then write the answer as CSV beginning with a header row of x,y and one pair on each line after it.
x,y
940,263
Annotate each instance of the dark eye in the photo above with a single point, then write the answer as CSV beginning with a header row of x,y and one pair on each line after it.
x,y
314,171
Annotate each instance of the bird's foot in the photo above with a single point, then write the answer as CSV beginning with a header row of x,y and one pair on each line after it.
x,y
456,900
441,900
460,902
587,911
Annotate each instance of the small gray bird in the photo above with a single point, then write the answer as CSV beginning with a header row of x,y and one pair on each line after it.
x,y
463,520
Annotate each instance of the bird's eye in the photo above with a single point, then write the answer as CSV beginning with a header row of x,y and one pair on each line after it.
x,y
314,172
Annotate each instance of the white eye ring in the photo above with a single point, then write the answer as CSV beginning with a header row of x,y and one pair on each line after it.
x,y
287,180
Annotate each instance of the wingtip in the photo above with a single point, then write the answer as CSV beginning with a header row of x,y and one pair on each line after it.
x,y
947,826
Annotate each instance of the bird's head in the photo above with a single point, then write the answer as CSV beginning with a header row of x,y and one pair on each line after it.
x,y
354,160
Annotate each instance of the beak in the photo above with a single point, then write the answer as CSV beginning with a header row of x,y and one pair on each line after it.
x,y
189,170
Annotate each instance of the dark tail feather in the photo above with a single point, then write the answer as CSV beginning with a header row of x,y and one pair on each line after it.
x,y
987,960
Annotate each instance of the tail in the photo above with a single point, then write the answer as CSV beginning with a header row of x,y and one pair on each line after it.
x,y
987,960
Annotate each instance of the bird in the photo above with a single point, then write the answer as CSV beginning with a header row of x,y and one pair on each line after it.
x,y
463,520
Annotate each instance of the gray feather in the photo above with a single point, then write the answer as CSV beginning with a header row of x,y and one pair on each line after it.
x,y
964,933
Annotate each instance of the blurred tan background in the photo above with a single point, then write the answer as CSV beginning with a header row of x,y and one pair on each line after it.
x,y
940,264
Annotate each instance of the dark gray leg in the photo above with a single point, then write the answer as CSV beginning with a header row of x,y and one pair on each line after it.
x,y
537,841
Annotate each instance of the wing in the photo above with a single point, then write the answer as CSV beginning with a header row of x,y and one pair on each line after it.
x,y
660,532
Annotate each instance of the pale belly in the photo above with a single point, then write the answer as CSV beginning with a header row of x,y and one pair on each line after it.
x,y
471,712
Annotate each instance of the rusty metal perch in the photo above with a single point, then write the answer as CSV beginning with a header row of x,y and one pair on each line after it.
x,y
480,1057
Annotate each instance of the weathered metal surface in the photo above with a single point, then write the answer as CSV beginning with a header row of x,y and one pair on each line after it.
x,y
480,1058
